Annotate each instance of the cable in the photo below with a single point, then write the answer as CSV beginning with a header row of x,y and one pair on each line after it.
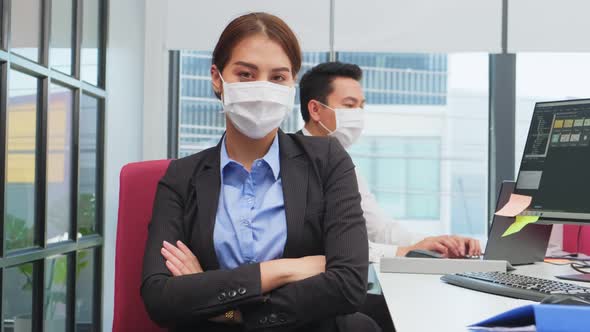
x,y
579,267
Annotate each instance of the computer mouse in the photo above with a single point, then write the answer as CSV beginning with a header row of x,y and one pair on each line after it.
x,y
565,299
422,253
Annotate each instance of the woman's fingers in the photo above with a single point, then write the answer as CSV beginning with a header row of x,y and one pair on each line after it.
x,y
175,251
191,259
173,269
180,266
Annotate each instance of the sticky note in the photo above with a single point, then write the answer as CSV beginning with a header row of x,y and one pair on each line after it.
x,y
516,204
519,224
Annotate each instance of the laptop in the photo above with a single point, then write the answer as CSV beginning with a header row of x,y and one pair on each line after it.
x,y
525,247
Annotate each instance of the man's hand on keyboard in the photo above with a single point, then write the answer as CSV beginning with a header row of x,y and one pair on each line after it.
x,y
448,245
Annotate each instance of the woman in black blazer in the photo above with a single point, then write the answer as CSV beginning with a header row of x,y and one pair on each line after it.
x,y
300,263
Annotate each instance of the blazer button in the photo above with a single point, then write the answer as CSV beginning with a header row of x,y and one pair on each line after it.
x,y
273,318
242,290
263,320
232,293
282,318
221,296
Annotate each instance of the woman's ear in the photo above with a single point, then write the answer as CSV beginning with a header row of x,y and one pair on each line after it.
x,y
216,81
314,110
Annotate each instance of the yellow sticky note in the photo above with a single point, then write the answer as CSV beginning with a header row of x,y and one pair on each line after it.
x,y
519,224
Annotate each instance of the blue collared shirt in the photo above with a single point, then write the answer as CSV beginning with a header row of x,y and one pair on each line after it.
x,y
250,225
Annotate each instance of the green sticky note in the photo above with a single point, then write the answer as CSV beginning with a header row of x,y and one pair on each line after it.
x,y
519,224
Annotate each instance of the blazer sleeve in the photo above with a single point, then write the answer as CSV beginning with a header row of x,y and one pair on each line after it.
x,y
342,288
185,300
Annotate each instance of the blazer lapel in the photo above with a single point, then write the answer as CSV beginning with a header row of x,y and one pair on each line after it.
x,y
207,184
294,176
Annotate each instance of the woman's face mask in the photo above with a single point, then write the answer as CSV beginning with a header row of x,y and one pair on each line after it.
x,y
256,108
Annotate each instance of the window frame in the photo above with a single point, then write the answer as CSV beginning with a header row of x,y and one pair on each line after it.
x,y
47,76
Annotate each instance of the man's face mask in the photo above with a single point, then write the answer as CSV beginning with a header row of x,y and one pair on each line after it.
x,y
349,125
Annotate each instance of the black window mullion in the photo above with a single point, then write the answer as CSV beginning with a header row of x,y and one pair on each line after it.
x,y
3,94
97,296
77,38
102,56
1,299
173,103
5,19
75,168
38,295
45,29
100,168
41,162
71,291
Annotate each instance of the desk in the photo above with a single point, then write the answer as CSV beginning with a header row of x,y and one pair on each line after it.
x,y
421,302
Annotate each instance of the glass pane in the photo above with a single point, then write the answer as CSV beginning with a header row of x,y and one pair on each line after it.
x,y
565,76
17,298
60,51
56,293
25,28
91,37
85,288
427,117
59,163
87,182
20,160
201,123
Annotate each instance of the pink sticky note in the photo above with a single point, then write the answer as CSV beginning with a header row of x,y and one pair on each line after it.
x,y
516,204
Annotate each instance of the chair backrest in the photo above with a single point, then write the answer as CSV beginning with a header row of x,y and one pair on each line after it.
x,y
138,183
570,238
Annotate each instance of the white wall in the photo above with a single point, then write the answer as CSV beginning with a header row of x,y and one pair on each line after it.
x,y
155,121
124,121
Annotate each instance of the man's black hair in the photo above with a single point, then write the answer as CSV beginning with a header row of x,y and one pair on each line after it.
x,y
316,83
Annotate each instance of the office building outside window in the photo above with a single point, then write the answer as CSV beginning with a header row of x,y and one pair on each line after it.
x,y
424,148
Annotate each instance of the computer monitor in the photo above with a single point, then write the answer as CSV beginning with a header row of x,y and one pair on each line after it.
x,y
555,167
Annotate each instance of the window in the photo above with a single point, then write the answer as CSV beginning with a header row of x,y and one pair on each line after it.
x,y
51,128
424,148
546,77
201,122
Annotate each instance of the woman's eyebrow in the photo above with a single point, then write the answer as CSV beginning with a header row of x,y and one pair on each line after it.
x,y
246,64
281,69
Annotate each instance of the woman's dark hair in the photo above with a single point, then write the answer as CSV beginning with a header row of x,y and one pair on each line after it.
x,y
316,83
257,23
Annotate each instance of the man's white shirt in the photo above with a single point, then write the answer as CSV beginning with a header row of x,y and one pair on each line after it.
x,y
385,234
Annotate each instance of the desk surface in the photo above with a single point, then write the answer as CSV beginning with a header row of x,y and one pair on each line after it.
x,y
421,302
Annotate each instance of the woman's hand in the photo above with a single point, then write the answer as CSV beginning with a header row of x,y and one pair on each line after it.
x,y
448,246
180,260
308,266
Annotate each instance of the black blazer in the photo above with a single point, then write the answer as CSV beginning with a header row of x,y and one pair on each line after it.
x,y
324,217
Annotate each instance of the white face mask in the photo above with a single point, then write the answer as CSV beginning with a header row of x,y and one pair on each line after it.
x,y
256,108
349,125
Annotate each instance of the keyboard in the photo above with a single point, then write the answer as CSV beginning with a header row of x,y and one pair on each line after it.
x,y
515,285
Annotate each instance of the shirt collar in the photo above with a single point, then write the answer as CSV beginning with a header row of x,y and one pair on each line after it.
x,y
272,157
306,132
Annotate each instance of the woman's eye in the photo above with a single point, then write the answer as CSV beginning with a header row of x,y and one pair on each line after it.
x,y
245,75
278,78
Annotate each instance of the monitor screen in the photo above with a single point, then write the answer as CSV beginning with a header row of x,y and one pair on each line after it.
x,y
555,167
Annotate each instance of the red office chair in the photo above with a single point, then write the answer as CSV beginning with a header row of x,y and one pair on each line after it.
x,y
570,239
136,197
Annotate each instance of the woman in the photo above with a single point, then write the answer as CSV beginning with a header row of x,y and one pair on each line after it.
x,y
246,235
